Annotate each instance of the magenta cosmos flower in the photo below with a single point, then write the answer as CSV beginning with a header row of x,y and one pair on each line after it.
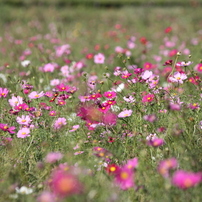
x,y
184,180
23,133
148,98
110,94
124,178
35,95
125,113
59,123
99,58
4,92
23,120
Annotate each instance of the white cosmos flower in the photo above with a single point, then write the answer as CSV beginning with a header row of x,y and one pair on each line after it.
x,y
24,190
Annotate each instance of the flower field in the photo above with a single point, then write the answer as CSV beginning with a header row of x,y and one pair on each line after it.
x,y
100,105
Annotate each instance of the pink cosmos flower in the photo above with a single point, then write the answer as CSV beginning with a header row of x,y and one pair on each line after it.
x,y
148,98
35,95
99,58
23,120
49,67
64,184
166,165
184,180
62,50
151,117
53,157
23,133
131,164
54,82
198,68
4,92
124,178
112,169
62,87
129,99
109,118
110,94
52,113
125,113
74,128
5,127
146,74
148,66
178,77
156,142
78,152
14,101
194,106
59,123
46,196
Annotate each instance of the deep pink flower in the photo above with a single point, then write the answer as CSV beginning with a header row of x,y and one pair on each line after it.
x,y
184,180
109,118
194,106
62,87
148,66
125,178
110,94
5,127
148,98
4,92
112,169
198,68
52,113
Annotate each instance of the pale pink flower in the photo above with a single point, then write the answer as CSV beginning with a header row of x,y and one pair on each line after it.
x,y
24,132
23,120
54,82
178,77
99,58
59,123
74,128
125,113
14,101
49,67
35,95
46,196
53,157
146,74
129,99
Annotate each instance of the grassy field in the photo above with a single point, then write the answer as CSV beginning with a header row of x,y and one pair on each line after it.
x,y
100,104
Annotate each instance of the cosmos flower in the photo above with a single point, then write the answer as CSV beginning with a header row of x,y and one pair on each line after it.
x,y
99,58
59,123
23,120
3,92
23,133
184,180
35,95
125,113
178,77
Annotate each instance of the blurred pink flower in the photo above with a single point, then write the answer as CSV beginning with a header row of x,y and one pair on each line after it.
x,y
184,180
124,178
46,196
64,184
178,77
53,157
14,101
59,123
99,58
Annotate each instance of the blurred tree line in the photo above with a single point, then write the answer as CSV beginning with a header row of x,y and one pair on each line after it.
x,y
104,3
